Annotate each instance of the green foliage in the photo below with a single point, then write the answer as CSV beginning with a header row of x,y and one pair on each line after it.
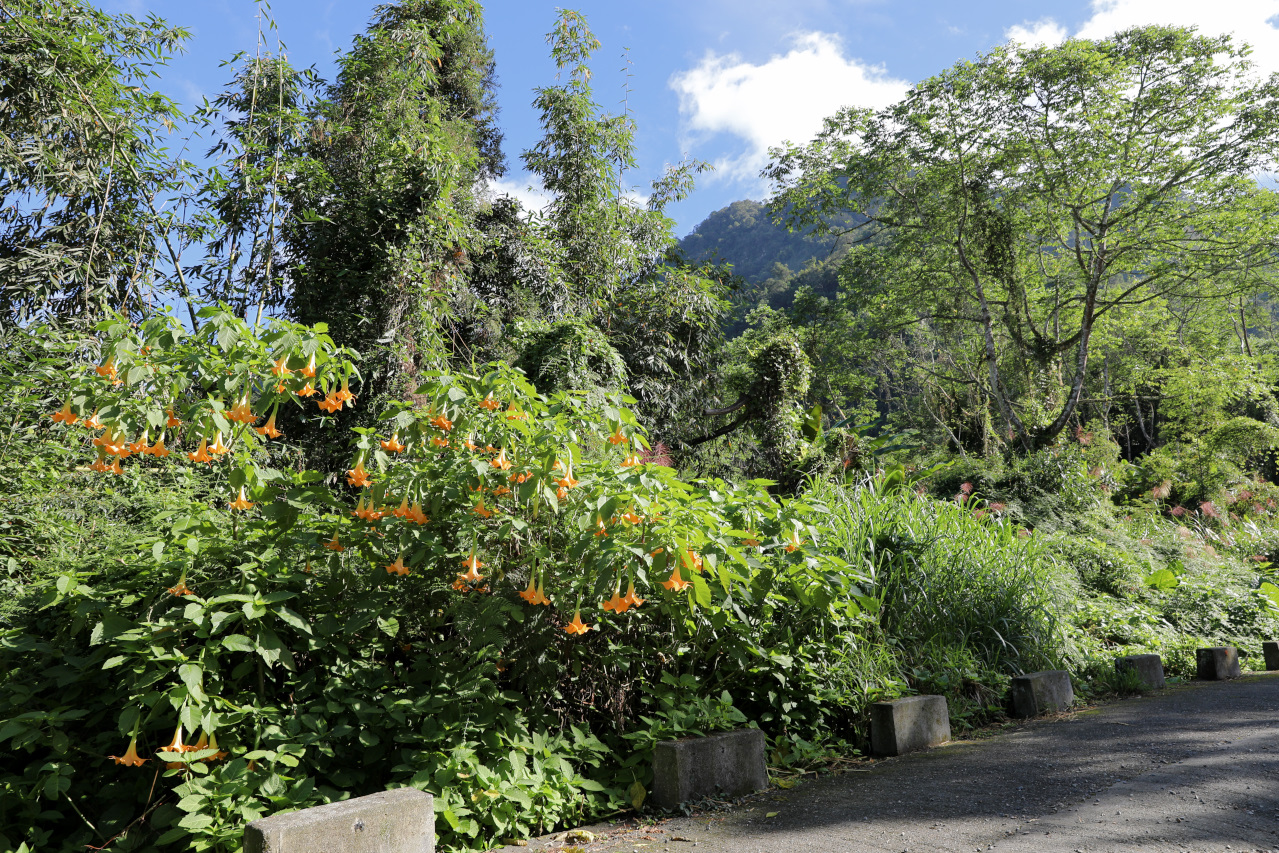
x,y
382,219
571,355
82,163
298,637
1012,187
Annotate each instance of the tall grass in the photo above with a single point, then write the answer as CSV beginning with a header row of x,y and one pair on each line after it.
x,y
943,577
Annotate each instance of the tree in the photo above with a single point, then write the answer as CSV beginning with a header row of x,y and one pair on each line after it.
x,y
82,173
262,142
380,229
1030,193
614,255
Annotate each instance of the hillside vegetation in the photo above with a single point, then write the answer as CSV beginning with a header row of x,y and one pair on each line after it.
x,y
334,473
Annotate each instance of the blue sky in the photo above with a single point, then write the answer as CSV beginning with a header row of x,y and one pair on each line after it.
x,y
718,80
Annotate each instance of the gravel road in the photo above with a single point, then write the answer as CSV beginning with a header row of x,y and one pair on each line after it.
x,y
1191,768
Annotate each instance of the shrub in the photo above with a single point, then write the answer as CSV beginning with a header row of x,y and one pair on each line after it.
x,y
333,634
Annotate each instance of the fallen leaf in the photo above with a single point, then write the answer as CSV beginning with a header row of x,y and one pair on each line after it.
x,y
772,814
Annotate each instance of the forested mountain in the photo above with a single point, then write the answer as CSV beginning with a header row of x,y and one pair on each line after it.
x,y
772,261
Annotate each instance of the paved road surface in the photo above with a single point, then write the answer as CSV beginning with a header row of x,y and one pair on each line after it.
x,y
1192,768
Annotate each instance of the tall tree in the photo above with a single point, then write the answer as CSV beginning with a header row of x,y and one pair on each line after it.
x,y
381,227
1032,192
82,170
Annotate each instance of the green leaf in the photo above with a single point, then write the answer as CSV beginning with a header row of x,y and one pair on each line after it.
x,y
701,590
192,677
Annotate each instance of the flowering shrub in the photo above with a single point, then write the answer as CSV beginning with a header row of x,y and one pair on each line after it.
x,y
493,601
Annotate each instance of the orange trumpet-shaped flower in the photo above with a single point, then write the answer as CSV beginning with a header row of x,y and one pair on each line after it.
x,y
540,596
441,422
472,565
139,446
514,414
795,542
220,755
333,544
470,445
241,413
631,461
65,415
100,466
181,589
398,567
173,420
676,583
217,448
577,626
392,444
280,367
436,441
106,370
530,592
309,370
617,438
520,478
158,450
417,516
403,510
501,462
268,429
631,518
481,510
201,453
600,528
358,477
693,560
115,467
501,492
489,404
360,512
241,503
177,745
567,481
330,404
561,493
344,394
130,757
488,448
615,603
308,390
114,444
92,421
631,599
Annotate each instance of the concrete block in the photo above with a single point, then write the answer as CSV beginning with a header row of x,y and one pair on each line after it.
x,y
1149,667
908,724
398,821
727,764
1217,663
1043,692
1271,651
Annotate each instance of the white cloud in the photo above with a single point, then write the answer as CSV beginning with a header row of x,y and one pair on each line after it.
x,y
1045,31
1248,20
530,198
782,99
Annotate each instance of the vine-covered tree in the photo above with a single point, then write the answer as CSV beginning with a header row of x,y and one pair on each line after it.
x,y
380,232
